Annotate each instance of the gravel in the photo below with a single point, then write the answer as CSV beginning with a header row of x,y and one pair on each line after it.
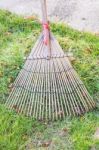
x,y
80,14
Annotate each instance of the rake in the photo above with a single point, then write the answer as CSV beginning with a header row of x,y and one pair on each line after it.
x,y
47,87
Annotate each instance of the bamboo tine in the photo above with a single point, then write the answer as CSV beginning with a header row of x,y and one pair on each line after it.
x,y
56,93
13,96
29,86
80,94
73,85
61,90
26,83
49,90
41,96
54,109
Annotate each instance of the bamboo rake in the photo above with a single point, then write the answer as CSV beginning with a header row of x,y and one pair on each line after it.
x,y
47,87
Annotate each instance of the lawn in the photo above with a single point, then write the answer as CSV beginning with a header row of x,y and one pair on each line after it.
x,y
17,37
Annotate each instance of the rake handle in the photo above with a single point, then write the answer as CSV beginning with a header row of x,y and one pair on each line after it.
x,y
44,11
46,28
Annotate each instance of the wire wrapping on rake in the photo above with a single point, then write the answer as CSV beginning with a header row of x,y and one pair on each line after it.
x,y
46,33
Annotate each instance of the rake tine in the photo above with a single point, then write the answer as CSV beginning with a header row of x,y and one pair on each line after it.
x,y
36,47
33,88
49,85
77,82
65,97
59,86
29,88
54,108
41,96
74,88
56,93
22,104
64,80
13,93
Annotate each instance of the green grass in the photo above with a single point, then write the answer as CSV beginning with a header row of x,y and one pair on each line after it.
x,y
17,37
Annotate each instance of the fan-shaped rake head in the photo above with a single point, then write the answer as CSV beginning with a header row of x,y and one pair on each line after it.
x,y
49,89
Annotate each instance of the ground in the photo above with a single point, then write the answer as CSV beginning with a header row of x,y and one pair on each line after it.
x,y
17,132
80,14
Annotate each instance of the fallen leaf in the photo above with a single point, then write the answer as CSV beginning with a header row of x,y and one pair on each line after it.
x,y
60,113
88,50
10,87
29,17
63,132
8,33
72,59
46,144
24,137
16,108
65,129
11,79
32,18
1,74
96,135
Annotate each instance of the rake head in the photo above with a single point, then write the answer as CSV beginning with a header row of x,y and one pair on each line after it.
x,y
49,89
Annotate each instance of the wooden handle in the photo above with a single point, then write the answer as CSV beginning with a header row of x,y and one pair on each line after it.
x,y
44,11
46,28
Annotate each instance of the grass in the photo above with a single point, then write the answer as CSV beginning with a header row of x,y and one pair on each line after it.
x,y
17,37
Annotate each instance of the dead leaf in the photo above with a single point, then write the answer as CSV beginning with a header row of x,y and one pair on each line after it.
x,y
10,87
88,50
8,33
72,59
10,80
60,113
65,129
16,108
24,137
46,144
1,74
29,17
63,132
96,135
32,18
